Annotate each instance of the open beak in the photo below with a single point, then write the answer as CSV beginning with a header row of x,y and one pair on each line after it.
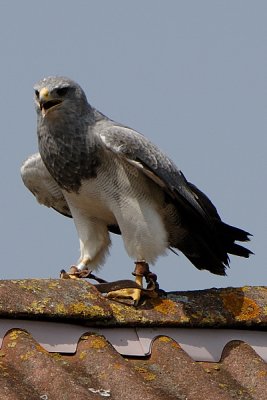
x,y
46,101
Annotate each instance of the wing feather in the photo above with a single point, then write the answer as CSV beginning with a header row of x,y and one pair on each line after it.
x,y
196,212
38,180
139,151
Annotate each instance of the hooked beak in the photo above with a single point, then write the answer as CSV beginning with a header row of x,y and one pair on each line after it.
x,y
46,101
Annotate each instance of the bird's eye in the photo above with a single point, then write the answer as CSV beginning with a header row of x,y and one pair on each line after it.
x,y
62,91
37,93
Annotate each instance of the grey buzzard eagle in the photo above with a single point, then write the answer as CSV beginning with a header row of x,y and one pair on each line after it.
x,y
110,178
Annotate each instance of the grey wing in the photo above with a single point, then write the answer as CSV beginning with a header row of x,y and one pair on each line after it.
x,y
200,234
138,150
38,180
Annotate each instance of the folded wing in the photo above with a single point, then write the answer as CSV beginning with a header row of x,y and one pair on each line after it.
x,y
200,233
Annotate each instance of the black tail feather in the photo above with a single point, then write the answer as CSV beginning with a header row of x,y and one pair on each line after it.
x,y
229,235
203,262
240,251
206,240
206,254
234,233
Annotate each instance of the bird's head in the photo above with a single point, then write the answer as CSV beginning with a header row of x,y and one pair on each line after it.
x,y
59,93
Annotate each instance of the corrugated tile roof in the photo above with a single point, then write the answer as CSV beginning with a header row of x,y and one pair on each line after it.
x,y
97,370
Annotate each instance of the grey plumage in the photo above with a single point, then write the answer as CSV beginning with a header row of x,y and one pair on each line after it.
x,y
108,175
39,181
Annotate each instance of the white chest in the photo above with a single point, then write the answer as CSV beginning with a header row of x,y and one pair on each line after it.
x,y
118,187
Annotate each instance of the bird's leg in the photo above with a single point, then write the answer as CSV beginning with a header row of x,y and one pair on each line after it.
x,y
132,293
141,271
94,242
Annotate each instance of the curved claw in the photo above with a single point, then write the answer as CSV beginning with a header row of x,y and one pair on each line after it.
x,y
135,294
75,273
125,294
121,290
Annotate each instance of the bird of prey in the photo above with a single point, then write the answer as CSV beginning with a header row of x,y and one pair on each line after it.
x,y
110,178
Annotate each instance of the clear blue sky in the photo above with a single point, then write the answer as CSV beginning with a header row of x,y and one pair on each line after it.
x,y
190,75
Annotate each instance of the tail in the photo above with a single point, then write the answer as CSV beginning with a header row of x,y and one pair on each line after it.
x,y
229,235
207,245
211,252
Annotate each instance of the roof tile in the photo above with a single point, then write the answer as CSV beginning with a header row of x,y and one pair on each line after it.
x,y
56,299
247,369
97,370
52,299
175,371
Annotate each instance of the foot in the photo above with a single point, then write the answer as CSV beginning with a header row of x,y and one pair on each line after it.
x,y
141,270
121,290
128,293
75,273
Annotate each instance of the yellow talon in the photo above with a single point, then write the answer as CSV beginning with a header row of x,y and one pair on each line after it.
x,y
72,274
134,294
129,293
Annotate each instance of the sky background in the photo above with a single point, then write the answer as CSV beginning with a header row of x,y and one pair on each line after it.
x,y
190,75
